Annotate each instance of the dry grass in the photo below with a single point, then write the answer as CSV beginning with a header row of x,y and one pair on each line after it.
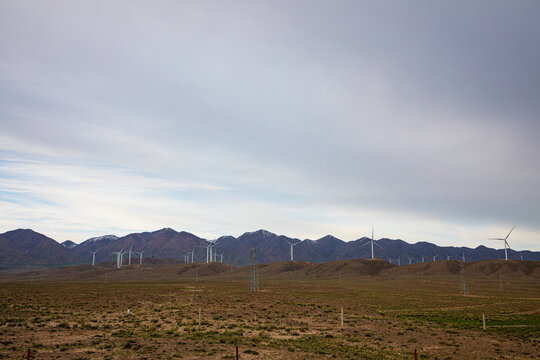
x,y
385,318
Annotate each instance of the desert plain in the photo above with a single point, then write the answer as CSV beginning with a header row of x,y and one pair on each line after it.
x,y
207,311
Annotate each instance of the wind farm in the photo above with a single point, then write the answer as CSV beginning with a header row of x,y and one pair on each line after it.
x,y
291,308
203,180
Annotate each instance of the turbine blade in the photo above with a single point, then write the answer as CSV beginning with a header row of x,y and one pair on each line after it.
x,y
365,244
509,232
378,245
495,239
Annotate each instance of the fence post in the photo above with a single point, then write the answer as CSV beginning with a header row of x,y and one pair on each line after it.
x,y
342,316
484,321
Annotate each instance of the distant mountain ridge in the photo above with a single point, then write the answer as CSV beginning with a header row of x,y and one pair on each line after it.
x,y
23,247
27,247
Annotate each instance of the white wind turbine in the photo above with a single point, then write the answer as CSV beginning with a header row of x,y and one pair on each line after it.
x,y
140,257
118,258
122,257
129,261
372,242
209,255
93,256
292,247
506,246
410,259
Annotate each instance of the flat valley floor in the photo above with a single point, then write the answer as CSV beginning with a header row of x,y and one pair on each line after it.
x,y
383,318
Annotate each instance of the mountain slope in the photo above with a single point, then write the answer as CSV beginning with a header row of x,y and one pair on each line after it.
x,y
27,247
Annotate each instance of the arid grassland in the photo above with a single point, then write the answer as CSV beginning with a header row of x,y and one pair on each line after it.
x,y
384,318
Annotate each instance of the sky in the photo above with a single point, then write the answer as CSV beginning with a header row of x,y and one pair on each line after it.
x,y
306,118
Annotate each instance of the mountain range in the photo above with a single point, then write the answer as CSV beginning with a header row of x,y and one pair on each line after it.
x,y
25,247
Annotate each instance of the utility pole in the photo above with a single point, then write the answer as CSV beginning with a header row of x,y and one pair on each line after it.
x,y
254,283
463,280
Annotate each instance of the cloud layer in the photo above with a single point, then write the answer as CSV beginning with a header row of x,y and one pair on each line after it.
x,y
309,118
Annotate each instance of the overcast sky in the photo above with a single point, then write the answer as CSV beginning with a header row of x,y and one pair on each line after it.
x,y
305,118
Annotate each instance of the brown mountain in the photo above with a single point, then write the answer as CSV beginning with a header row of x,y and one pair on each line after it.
x,y
27,247
160,244
17,248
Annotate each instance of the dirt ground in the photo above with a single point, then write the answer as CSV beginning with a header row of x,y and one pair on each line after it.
x,y
287,319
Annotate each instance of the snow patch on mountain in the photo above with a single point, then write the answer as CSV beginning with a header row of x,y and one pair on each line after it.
x,y
104,237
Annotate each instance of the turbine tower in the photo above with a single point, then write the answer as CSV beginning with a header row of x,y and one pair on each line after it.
x,y
292,246
506,246
118,258
254,283
93,257
140,257
122,257
131,248
209,256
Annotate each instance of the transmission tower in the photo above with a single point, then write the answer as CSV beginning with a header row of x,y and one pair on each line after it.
x,y
463,279
254,283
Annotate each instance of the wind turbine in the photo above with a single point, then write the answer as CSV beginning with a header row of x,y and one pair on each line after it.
x,y
93,256
410,259
122,258
118,258
129,261
434,257
140,257
208,252
292,246
209,255
372,242
506,246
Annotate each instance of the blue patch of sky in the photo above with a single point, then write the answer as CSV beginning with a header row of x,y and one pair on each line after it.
x,y
24,198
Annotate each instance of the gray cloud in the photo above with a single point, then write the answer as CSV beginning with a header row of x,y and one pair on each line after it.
x,y
419,108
